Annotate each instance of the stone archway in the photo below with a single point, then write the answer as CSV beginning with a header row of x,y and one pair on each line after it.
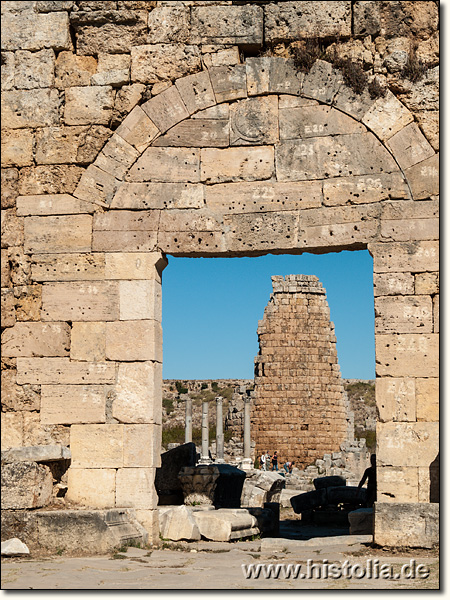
x,y
239,161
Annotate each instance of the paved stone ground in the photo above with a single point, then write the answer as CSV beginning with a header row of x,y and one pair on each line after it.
x,y
218,566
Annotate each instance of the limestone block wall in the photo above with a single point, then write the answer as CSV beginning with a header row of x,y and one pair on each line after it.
x,y
299,405
135,129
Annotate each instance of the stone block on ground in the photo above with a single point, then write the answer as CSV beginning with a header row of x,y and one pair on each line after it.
x,y
167,484
331,481
25,485
224,525
308,500
14,547
361,521
262,486
414,524
179,524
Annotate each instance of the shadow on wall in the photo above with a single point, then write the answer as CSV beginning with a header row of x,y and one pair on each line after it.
x,y
434,480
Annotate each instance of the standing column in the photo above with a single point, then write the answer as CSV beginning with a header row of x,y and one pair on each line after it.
x,y
188,421
204,458
247,463
219,430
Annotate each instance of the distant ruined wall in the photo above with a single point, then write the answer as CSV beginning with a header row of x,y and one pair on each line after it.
x,y
299,406
132,130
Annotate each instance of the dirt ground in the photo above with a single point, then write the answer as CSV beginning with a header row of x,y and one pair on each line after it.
x,y
302,558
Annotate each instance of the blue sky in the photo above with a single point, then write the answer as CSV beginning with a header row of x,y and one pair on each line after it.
x,y
211,309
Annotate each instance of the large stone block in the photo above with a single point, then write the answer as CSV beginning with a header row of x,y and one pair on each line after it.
x,y
168,24
269,74
427,399
407,444
137,129
196,91
49,179
140,300
396,399
12,228
394,284
410,146
229,82
9,187
364,189
112,70
12,430
135,266
88,342
398,257
25,485
315,121
36,454
237,164
249,232
322,82
156,62
387,116
30,31
371,18
68,404
403,314
116,157
68,267
134,341
82,301
52,204
158,195
397,484
254,121
138,393
37,434
166,109
167,164
97,186
230,198
18,397
426,283
242,25
36,339
423,178
30,108
197,133
17,147
53,235
96,446
289,20
179,524
8,308
34,69
341,155
142,445
103,31
135,488
407,355
95,488
88,105
72,70
415,525
59,371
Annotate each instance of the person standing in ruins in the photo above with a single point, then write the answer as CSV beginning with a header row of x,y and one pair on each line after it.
x,y
371,475
262,461
275,461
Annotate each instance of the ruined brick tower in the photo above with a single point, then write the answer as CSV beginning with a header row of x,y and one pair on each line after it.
x,y
298,406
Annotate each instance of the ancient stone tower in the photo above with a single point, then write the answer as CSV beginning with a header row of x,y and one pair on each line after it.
x,y
298,407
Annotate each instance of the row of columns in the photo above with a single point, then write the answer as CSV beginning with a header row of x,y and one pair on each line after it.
x,y
204,457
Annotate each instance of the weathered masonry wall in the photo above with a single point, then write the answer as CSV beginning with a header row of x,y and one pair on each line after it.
x,y
299,405
131,130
